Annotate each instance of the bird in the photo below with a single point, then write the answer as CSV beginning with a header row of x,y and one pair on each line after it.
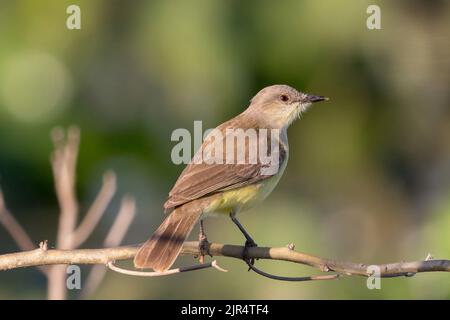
x,y
207,188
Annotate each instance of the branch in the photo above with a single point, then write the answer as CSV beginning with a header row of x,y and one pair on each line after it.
x,y
63,160
212,264
16,231
294,279
69,237
122,222
104,256
113,239
96,210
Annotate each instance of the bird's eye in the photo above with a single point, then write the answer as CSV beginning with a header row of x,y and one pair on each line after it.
x,y
284,97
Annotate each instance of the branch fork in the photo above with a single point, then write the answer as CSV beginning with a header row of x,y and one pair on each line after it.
x,y
71,236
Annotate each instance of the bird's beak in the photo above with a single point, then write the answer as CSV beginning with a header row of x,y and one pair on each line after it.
x,y
313,98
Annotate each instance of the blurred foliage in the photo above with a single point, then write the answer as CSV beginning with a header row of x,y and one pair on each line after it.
x,y
369,172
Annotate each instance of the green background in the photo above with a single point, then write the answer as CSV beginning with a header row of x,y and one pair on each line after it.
x,y
369,172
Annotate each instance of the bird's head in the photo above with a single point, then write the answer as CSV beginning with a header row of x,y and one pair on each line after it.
x,y
279,105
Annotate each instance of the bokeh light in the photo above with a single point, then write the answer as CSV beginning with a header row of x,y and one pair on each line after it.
x,y
36,86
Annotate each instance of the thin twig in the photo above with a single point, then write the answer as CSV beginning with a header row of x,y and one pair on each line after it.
x,y
96,211
69,237
293,279
63,161
212,264
114,238
14,228
122,222
16,231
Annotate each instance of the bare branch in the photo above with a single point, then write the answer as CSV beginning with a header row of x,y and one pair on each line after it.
x,y
122,222
96,210
293,279
69,237
212,264
104,256
64,160
114,238
15,230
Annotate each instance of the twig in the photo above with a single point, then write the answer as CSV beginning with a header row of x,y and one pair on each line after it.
x,y
96,210
63,160
15,230
69,237
294,279
114,238
103,256
122,222
212,264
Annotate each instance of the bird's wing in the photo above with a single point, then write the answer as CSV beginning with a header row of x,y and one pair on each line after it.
x,y
201,179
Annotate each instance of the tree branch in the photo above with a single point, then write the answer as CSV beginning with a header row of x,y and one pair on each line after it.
x,y
104,256
96,211
212,264
69,237
16,231
63,160
114,237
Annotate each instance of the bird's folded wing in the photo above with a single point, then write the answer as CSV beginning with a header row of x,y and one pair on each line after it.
x,y
201,179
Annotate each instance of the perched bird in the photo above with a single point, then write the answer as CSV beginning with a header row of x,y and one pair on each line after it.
x,y
228,187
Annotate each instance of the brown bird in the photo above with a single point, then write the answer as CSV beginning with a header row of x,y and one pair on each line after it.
x,y
206,188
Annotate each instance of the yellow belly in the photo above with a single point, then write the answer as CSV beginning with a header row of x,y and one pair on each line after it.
x,y
243,198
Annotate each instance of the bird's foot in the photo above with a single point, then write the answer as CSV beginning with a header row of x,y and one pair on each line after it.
x,y
249,244
203,244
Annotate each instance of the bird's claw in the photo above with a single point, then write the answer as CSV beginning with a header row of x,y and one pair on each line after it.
x,y
203,248
203,244
249,244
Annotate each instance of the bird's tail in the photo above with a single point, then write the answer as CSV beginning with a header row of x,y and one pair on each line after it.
x,y
164,246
